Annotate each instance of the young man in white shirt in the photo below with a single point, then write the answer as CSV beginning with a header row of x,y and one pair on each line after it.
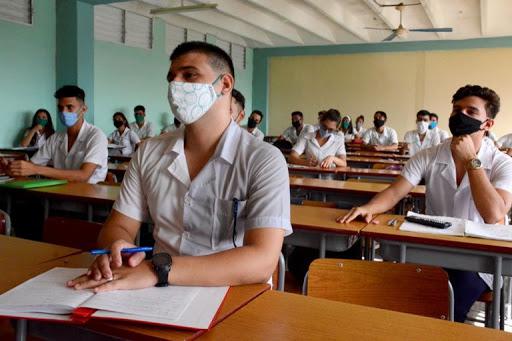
x,y
434,120
143,128
380,137
252,124
466,177
421,137
219,198
78,154
237,107
297,129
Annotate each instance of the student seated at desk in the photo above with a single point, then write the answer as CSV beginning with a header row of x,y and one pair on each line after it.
x,y
173,127
78,154
252,124
443,134
346,129
297,130
505,143
359,129
123,136
143,128
237,106
323,147
421,137
380,137
219,198
466,177
40,131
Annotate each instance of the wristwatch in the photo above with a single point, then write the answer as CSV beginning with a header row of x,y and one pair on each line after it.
x,y
474,164
162,263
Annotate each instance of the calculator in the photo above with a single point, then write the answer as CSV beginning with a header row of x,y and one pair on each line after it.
x,y
429,222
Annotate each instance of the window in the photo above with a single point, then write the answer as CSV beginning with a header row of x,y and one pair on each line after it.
x,y
238,56
173,37
225,45
195,36
19,11
138,30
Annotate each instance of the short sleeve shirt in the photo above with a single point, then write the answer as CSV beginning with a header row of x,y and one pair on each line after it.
x,y
290,134
128,139
387,138
412,138
335,146
144,132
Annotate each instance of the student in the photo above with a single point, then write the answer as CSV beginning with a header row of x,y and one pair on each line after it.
x,y
144,129
297,129
347,129
219,199
173,127
323,147
78,154
380,137
123,136
237,106
443,134
466,177
252,124
359,128
40,130
421,137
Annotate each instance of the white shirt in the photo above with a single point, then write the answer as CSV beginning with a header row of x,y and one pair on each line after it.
x,y
443,134
90,147
443,197
335,146
170,128
359,132
143,132
412,138
505,141
258,134
290,133
40,138
196,217
387,138
128,140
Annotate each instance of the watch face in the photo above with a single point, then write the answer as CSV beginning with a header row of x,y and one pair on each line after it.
x,y
161,259
476,163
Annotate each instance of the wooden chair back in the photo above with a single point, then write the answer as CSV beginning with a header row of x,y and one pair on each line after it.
x,y
79,234
410,288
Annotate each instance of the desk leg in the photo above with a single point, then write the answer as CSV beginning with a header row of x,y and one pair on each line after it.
x,y
46,204
323,242
21,330
90,212
498,263
403,252
369,249
9,204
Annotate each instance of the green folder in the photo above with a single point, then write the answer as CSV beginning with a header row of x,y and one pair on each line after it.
x,y
35,183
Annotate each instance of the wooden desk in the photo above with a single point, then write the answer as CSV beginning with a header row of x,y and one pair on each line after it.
x,y
370,161
462,253
343,172
379,155
119,169
119,158
284,316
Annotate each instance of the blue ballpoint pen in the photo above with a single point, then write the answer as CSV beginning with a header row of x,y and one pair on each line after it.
x,y
128,250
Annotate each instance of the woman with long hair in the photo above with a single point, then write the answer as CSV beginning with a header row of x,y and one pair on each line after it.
x,y
40,130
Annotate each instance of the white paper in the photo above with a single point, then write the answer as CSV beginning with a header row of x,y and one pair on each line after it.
x,y
488,231
457,228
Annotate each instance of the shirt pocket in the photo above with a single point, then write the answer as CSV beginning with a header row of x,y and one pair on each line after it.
x,y
224,229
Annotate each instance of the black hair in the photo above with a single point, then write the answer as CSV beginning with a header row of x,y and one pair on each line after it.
x,y
125,121
49,130
239,98
70,91
422,113
491,98
332,115
139,107
382,113
321,114
298,113
257,112
350,129
432,114
218,58
177,122
360,116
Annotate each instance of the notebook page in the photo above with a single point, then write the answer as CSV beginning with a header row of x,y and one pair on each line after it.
x,y
488,231
457,228
46,293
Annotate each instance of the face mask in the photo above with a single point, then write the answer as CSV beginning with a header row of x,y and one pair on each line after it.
x,y
190,101
378,123
324,133
139,118
422,127
359,125
69,119
42,122
345,124
296,124
432,125
118,124
251,123
461,124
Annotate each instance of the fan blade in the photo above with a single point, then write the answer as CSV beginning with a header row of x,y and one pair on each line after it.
x,y
390,37
438,29
378,29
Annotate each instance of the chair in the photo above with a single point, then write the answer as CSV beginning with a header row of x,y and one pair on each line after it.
x,y
279,273
79,234
5,223
410,288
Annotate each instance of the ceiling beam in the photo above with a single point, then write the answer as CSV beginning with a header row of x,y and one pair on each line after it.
x,y
484,17
434,15
381,13
341,17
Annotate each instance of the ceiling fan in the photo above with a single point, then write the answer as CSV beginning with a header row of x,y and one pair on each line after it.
x,y
183,8
401,31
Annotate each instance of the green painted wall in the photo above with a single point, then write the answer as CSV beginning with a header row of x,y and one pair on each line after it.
x,y
27,71
126,76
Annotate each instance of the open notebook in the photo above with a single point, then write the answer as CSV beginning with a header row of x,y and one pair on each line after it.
x,y
46,297
460,227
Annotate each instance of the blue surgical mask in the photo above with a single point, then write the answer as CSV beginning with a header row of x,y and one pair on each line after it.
x,y
69,119
324,133
432,125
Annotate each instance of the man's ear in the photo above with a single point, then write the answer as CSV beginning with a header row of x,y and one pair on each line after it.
x,y
227,82
489,123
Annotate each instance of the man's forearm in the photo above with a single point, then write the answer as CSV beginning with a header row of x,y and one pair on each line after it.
x,y
77,175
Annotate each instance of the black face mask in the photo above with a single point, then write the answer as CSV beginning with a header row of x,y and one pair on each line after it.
x,y
296,124
378,123
118,124
251,123
461,124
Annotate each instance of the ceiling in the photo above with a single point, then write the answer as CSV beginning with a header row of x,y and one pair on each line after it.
x,y
277,23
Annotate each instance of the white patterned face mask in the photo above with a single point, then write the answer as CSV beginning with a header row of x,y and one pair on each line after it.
x,y
190,101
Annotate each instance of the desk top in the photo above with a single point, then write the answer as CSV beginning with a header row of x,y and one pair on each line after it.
x,y
340,186
283,316
373,160
344,170
384,232
370,154
313,218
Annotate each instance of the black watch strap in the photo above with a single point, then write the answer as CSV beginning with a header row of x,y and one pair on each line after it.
x,y
162,263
